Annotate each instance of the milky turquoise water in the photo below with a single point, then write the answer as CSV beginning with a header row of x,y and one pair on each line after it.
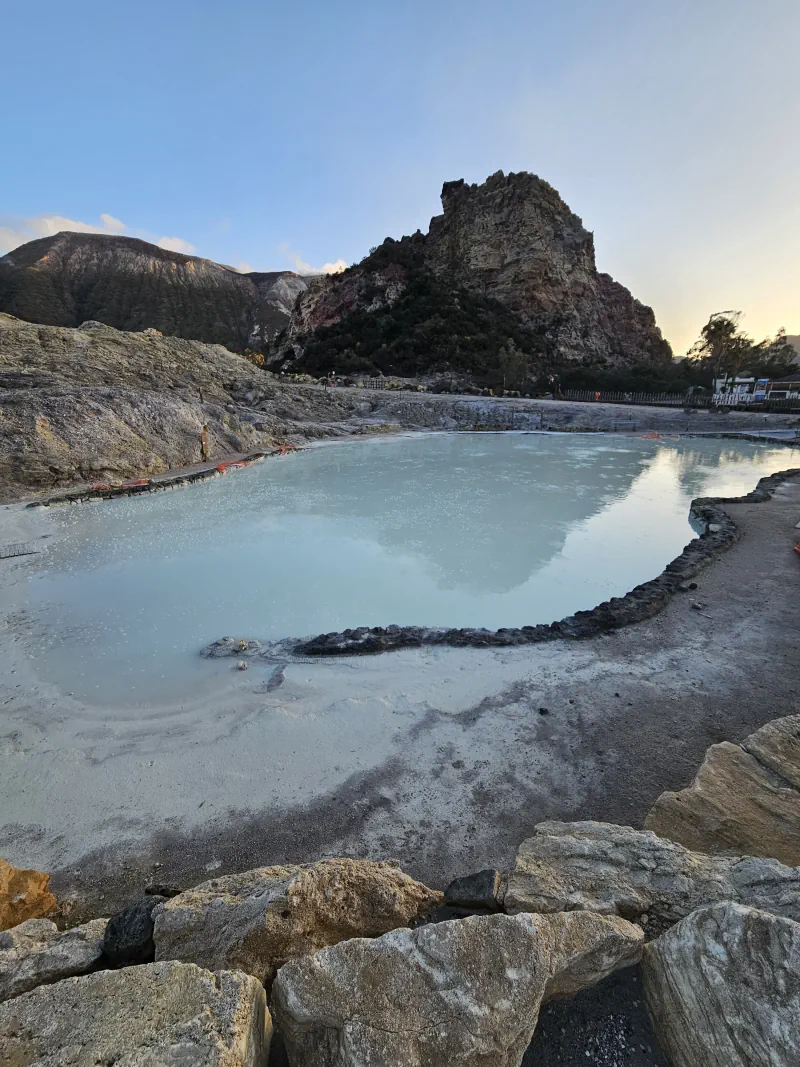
x,y
451,530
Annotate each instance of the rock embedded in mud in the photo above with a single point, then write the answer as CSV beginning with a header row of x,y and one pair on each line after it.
x,y
37,953
128,938
257,920
24,894
453,994
158,1015
600,867
745,798
723,989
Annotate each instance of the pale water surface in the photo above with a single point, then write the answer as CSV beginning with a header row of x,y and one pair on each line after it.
x,y
451,530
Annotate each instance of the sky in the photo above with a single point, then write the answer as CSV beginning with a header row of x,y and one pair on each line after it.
x,y
274,135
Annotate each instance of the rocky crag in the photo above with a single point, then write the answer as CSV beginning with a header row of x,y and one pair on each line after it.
x,y
132,285
352,963
506,266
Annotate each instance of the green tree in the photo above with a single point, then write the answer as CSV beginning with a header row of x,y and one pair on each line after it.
x,y
723,348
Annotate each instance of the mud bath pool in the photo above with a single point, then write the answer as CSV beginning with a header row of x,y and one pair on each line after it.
x,y
440,530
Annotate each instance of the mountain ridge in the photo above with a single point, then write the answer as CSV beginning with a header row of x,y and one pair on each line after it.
x,y
131,284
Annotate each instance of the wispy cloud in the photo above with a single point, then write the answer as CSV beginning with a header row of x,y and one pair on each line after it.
x,y
15,231
302,267
175,244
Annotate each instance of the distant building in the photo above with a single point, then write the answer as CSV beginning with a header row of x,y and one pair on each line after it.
x,y
787,388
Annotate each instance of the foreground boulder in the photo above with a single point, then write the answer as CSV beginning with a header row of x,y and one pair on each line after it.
x,y
158,1015
452,994
595,866
257,920
745,798
36,953
24,894
723,989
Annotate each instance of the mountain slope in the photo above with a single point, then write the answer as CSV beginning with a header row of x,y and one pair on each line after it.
x,y
506,264
132,285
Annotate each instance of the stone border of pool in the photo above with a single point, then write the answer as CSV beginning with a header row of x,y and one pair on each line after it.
x,y
642,602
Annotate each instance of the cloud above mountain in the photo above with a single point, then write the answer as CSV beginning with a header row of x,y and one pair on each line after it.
x,y
16,231
302,267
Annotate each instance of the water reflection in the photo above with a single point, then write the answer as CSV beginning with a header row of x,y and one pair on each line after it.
x,y
449,530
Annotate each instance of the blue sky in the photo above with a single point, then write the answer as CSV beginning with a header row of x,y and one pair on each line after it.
x,y
276,134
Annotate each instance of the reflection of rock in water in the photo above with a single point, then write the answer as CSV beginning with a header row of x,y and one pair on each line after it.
x,y
518,514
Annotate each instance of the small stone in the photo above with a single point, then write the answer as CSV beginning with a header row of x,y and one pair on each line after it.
x,y
162,889
241,665
128,937
544,711
480,891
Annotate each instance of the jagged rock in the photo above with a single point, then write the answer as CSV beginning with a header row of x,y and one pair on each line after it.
x,y
128,937
455,994
723,989
600,867
158,1015
745,798
257,920
480,891
37,953
24,894
512,240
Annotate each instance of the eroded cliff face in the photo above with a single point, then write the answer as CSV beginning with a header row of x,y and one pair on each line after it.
x,y
133,285
513,240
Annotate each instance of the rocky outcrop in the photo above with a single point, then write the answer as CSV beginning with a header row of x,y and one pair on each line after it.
x,y
745,798
168,1014
511,241
258,920
455,994
97,405
24,894
37,953
132,285
513,238
601,867
723,989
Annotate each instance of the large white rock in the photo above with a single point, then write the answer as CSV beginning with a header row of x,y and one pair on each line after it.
x,y
723,988
601,867
257,920
36,953
464,993
157,1015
